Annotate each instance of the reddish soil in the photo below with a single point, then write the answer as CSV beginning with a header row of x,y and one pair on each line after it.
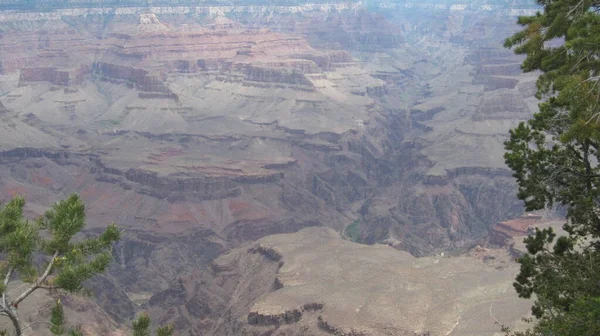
x,y
503,231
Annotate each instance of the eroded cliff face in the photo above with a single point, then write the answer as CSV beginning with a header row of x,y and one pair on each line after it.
x,y
199,128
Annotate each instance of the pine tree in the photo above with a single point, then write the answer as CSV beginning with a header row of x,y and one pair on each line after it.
x,y
68,262
555,159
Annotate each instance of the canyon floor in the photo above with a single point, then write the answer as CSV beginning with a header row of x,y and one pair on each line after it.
x,y
208,129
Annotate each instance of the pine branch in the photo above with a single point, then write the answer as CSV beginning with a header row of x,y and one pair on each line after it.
x,y
8,275
14,319
57,321
21,242
38,283
595,5
6,280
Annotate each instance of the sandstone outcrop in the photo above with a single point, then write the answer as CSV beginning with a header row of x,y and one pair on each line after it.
x,y
502,232
61,77
138,78
263,74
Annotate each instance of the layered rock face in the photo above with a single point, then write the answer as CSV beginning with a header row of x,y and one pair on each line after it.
x,y
502,233
459,123
199,128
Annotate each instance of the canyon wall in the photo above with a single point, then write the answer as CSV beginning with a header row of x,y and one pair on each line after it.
x,y
197,128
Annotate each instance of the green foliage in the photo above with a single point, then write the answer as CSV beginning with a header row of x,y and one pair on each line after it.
x,y
18,238
582,319
58,322
165,331
555,159
57,319
69,262
76,261
141,327
353,231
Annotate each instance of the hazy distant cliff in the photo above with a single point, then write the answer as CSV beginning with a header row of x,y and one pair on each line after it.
x,y
75,7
